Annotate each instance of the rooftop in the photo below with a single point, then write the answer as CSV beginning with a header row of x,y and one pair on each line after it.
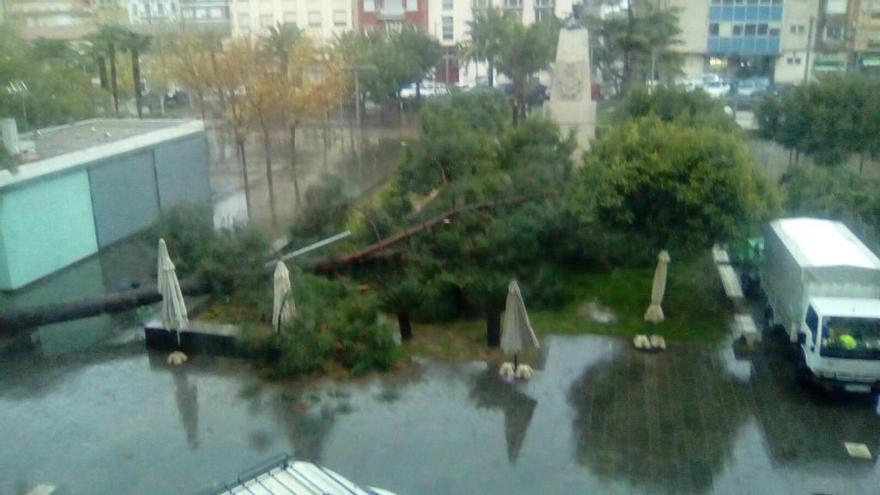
x,y
55,141
68,147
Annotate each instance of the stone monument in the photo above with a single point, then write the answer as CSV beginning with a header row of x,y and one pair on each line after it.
x,y
571,102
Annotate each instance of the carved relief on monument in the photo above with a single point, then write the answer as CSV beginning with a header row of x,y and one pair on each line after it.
x,y
570,79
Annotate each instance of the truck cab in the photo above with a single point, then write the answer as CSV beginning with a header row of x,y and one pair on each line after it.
x,y
840,343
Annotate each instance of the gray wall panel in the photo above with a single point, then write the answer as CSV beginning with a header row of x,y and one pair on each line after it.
x,y
182,172
124,196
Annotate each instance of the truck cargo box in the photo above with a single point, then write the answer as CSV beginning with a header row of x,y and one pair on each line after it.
x,y
808,257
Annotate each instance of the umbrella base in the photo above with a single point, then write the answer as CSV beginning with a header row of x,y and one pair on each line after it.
x,y
519,372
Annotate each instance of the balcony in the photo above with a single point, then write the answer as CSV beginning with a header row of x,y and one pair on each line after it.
x,y
391,10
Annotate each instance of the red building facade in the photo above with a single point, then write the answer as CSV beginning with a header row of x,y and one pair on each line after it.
x,y
392,14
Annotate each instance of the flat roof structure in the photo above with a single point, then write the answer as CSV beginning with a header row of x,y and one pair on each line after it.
x,y
64,147
94,183
54,141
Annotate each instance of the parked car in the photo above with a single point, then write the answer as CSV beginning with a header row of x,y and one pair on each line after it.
x,y
717,89
428,89
752,86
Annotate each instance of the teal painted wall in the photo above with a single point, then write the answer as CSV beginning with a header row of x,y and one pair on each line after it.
x,y
4,270
46,226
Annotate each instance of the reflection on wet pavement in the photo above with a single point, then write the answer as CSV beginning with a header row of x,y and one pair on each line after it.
x,y
599,418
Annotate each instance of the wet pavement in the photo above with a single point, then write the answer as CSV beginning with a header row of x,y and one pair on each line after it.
x,y
598,418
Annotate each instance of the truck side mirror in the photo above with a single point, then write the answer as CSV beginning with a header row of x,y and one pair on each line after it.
x,y
802,338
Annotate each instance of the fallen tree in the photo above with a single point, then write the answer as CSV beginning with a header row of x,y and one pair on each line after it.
x,y
14,320
22,318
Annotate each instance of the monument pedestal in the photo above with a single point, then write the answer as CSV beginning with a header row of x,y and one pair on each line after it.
x,y
571,102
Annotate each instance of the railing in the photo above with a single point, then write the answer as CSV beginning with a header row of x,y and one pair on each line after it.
x,y
282,460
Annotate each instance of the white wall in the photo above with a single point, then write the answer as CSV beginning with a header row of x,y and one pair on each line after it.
x,y
462,14
789,67
322,20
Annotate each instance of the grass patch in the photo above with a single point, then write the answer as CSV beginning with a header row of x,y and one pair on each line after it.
x,y
462,340
695,307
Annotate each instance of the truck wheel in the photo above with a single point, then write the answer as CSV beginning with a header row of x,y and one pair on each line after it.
x,y
769,323
803,372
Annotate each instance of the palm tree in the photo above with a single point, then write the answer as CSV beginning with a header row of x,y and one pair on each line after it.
x,y
525,51
136,44
98,51
109,38
487,32
280,42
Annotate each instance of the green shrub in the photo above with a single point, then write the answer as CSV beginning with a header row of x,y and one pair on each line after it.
x,y
335,322
325,210
230,262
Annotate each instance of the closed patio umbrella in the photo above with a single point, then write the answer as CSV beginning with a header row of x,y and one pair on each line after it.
x,y
283,307
654,314
517,335
173,311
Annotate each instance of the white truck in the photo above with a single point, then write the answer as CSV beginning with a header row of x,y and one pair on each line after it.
x,y
823,288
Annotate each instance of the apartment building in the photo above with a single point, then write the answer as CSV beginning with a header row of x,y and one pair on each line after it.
x,y
745,38
154,11
322,20
393,14
449,20
864,49
53,19
772,38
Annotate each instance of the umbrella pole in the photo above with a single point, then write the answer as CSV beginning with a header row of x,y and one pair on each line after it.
x,y
515,362
178,337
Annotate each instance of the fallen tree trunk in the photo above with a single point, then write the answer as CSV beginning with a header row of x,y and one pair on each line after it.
x,y
334,263
19,319
14,320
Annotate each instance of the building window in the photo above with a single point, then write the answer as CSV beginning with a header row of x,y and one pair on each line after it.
x,y
737,29
512,4
315,18
793,60
369,6
480,4
834,33
340,19
244,22
713,29
797,28
762,29
544,9
774,32
447,28
447,4
751,29
413,5
289,17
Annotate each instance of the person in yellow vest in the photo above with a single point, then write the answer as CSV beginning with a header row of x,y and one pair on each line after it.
x,y
847,341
